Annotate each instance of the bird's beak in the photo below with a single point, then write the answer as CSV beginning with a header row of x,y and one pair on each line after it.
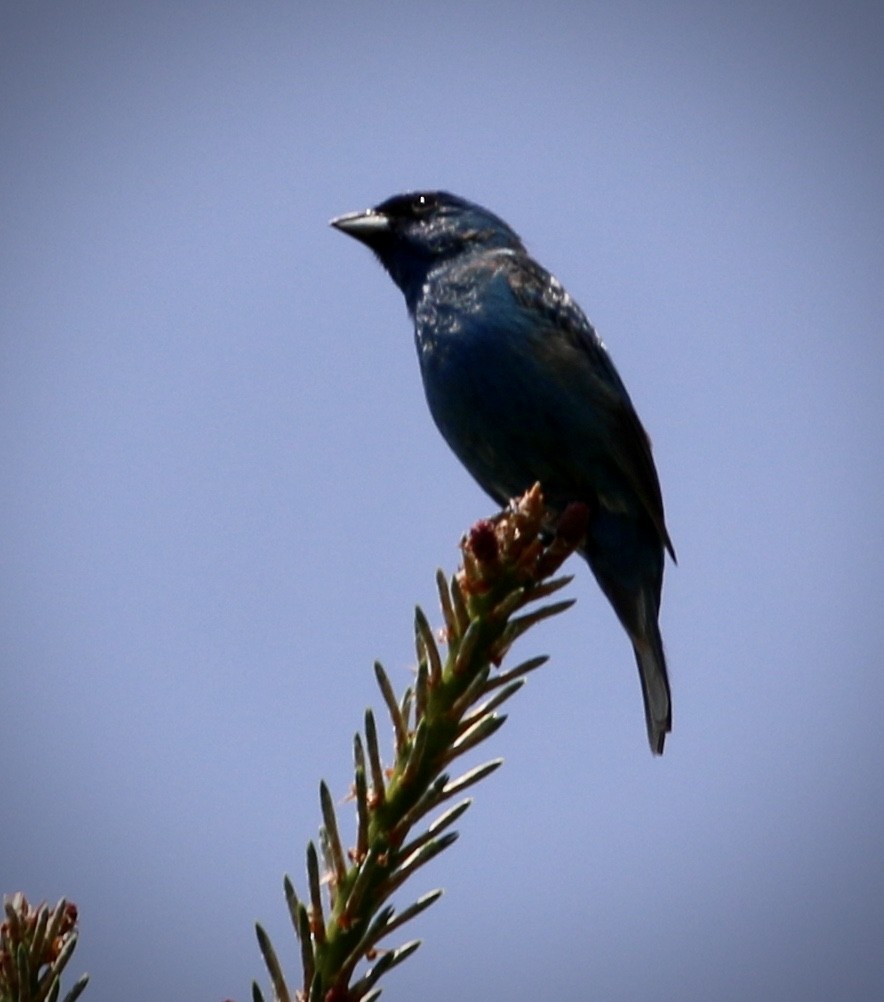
x,y
366,226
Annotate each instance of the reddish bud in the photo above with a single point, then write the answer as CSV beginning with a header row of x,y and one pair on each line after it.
x,y
482,541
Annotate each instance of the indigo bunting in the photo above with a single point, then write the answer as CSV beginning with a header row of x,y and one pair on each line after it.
x,y
523,390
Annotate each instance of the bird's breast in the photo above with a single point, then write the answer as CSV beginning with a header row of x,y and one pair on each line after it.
x,y
460,316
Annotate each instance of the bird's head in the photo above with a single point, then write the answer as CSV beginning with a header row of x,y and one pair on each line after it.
x,y
412,233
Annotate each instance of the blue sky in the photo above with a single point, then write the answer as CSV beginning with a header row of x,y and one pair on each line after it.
x,y
222,494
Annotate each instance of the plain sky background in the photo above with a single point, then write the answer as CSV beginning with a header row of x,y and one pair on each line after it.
x,y
222,494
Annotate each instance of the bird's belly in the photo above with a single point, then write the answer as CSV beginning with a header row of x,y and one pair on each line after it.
x,y
508,427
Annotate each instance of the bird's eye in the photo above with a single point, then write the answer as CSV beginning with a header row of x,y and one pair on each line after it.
x,y
423,204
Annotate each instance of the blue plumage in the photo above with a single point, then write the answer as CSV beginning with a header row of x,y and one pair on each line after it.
x,y
522,389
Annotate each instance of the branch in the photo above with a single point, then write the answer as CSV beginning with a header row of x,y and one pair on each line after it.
x,y
35,945
508,565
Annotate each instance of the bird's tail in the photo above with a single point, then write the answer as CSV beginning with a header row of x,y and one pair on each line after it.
x,y
651,662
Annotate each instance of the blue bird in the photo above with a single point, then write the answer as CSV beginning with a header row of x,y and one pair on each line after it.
x,y
523,390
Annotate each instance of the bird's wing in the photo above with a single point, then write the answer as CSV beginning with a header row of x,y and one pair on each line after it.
x,y
567,345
